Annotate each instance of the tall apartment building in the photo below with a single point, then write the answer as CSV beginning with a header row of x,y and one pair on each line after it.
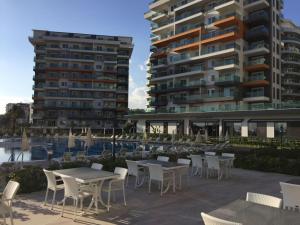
x,y
214,55
291,62
81,80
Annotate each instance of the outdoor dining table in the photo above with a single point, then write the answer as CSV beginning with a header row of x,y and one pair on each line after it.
x,y
89,176
166,166
249,213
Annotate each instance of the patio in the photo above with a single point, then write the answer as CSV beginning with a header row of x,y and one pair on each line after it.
x,y
182,207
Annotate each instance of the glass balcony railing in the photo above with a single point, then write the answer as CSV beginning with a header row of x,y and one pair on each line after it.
x,y
227,62
258,61
218,33
228,78
257,46
254,94
256,77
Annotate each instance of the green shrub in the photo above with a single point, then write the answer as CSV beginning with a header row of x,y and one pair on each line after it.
x,y
31,179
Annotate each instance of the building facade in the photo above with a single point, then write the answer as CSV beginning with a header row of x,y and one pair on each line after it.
x,y
27,109
80,80
215,68
291,62
214,55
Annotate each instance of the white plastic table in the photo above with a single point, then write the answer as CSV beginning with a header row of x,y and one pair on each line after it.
x,y
85,175
249,213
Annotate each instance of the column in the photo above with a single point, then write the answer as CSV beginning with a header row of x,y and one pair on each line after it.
x,y
220,128
244,128
186,126
140,126
270,130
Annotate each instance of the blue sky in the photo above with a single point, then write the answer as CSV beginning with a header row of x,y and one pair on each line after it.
x,y
111,17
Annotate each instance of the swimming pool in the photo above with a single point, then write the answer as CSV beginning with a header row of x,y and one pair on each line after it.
x,y
10,148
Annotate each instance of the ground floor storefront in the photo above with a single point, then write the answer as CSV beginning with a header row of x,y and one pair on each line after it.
x,y
267,123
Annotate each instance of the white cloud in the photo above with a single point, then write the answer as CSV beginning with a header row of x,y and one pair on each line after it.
x,y
138,98
12,99
142,67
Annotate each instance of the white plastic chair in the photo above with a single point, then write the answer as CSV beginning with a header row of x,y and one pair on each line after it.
x,y
213,165
291,196
136,171
157,173
210,153
72,191
183,171
210,220
97,166
52,185
197,163
230,165
117,184
264,200
163,158
7,198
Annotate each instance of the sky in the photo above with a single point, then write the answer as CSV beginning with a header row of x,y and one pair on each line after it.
x,y
108,17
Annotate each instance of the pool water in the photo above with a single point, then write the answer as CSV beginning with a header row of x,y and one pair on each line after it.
x,y
10,149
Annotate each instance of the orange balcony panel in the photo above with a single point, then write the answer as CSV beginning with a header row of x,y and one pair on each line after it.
x,y
226,22
187,34
224,38
159,54
257,67
191,46
256,83
93,80
69,70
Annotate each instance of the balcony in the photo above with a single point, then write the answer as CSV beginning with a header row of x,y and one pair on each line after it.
x,y
256,81
228,80
158,103
257,49
178,87
164,41
227,20
259,17
258,64
290,50
192,99
219,35
178,73
257,33
253,5
256,96
227,64
157,3
295,83
291,93
220,51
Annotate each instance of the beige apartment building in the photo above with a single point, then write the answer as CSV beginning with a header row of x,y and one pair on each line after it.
x,y
80,80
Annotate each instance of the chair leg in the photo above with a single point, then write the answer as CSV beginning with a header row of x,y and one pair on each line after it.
x,y
75,210
63,207
81,204
124,195
108,200
46,196
136,182
149,186
4,218
161,187
11,216
53,199
127,178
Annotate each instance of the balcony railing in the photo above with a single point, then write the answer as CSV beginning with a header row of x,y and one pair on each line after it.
x,y
258,61
218,33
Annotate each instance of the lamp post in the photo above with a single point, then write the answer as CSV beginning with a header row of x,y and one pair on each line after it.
x,y
114,139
